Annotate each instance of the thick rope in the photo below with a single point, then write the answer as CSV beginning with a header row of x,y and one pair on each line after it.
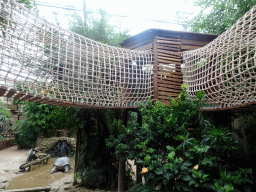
x,y
225,69
40,58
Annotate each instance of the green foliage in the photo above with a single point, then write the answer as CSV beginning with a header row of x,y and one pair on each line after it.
x,y
221,140
98,165
44,120
98,29
28,3
175,158
215,17
5,118
247,120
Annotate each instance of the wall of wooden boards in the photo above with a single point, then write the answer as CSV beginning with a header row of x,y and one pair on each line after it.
x,y
167,62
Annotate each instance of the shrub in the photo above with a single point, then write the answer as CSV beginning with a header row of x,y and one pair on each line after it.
x,y
172,157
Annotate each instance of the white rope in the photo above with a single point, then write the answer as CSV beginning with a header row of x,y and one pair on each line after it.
x,y
43,59
225,69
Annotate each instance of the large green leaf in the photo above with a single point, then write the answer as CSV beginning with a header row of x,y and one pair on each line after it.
x,y
192,182
159,171
196,174
189,155
186,177
168,176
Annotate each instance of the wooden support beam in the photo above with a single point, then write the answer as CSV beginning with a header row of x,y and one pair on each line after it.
x,y
2,90
155,80
78,143
121,171
138,168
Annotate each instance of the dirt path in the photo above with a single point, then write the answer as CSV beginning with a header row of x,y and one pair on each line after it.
x,y
39,175
10,160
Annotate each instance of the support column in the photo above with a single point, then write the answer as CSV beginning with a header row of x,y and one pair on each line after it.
x,y
78,143
138,168
121,171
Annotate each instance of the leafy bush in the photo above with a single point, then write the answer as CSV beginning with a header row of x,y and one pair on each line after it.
x,y
5,118
173,158
45,120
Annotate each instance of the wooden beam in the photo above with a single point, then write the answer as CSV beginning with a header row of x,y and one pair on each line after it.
x,y
169,75
23,166
11,92
138,168
168,53
169,90
121,171
169,86
166,98
2,90
163,93
193,42
173,37
155,80
168,42
19,95
170,79
169,46
190,47
78,143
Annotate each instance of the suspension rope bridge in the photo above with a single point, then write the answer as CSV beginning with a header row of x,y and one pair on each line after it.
x,y
225,69
44,63
41,62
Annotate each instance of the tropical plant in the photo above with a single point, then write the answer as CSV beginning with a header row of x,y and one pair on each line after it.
x,y
171,157
5,118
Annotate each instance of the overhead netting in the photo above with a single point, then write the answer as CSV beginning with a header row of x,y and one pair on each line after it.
x,y
44,63
225,69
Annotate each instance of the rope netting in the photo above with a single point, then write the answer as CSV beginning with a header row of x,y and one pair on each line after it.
x,y
41,59
225,69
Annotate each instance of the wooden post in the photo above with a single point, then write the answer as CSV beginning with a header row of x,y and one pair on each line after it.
x,y
138,168
78,143
155,84
121,171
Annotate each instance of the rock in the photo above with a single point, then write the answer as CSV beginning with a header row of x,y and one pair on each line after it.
x,y
55,189
67,187
2,186
3,179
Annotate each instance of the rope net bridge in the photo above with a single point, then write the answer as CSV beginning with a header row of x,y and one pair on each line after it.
x,y
225,69
44,63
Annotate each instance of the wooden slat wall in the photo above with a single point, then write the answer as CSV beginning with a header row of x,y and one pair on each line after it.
x,y
187,45
168,76
168,70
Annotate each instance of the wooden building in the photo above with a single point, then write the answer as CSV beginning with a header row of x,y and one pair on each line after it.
x,y
167,46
